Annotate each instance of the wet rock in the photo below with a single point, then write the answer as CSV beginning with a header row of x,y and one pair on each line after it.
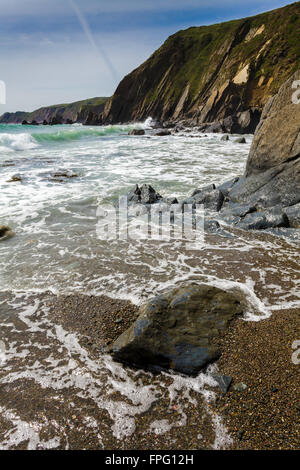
x,y
293,214
144,195
211,199
25,123
224,382
210,187
149,195
5,232
136,132
15,178
134,195
169,200
215,127
264,220
225,138
226,187
65,174
177,330
240,140
162,133
240,210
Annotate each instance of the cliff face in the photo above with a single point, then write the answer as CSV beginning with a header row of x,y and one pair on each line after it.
x,y
208,73
81,111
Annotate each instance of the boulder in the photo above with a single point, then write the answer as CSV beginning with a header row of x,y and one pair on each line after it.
x,y
144,195
5,232
178,330
225,138
240,140
136,132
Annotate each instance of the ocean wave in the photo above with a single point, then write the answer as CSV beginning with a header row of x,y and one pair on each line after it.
x,y
11,142
78,132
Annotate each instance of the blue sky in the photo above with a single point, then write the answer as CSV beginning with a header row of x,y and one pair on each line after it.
x,y
58,51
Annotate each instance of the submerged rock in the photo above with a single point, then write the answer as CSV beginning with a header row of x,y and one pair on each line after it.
x,y
15,179
136,132
177,330
240,140
5,232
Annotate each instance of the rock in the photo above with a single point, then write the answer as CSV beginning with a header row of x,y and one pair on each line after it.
x,y
55,120
213,227
241,210
15,178
228,185
277,138
215,127
64,174
149,195
225,138
224,382
134,195
240,140
293,214
270,188
169,200
34,123
177,330
162,133
45,123
211,199
144,195
136,132
210,187
5,232
25,123
240,387
264,220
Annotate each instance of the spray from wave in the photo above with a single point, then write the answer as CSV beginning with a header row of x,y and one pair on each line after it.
x,y
13,142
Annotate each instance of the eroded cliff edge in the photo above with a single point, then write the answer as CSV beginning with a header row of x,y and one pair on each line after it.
x,y
224,72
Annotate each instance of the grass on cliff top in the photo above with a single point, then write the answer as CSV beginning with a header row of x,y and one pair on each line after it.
x,y
196,53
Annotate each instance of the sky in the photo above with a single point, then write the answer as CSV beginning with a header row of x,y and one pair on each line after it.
x,y
59,51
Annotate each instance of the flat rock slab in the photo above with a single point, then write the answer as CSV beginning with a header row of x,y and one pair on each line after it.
x,y
177,330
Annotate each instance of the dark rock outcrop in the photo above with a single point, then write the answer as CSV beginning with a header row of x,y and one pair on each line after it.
x,y
178,330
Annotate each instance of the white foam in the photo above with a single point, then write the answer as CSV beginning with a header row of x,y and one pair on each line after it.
x,y
17,142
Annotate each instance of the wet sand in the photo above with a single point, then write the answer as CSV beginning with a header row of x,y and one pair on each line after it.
x,y
266,415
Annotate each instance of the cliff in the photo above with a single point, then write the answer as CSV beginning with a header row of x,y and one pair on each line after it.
x,y
210,73
85,111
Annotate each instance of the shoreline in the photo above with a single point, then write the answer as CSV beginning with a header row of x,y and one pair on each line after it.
x,y
263,416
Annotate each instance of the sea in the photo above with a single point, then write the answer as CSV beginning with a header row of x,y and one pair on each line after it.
x,y
56,249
